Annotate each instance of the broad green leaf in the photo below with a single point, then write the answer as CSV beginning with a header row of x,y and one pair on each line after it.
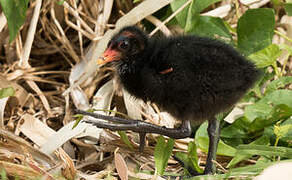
x,y
288,8
187,16
263,140
283,130
210,26
282,96
183,158
233,131
277,113
6,92
3,174
264,107
264,150
14,11
255,30
162,153
258,110
190,159
182,16
193,156
278,83
202,141
266,56
286,138
257,168
248,172
125,139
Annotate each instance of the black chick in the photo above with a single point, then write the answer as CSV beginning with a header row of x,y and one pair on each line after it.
x,y
193,78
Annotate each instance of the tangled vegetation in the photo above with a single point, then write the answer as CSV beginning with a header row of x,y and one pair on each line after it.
x,y
47,69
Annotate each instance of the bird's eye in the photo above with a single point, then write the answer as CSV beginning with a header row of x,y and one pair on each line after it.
x,y
124,45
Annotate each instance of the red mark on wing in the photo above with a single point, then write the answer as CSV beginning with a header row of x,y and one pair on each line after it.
x,y
166,71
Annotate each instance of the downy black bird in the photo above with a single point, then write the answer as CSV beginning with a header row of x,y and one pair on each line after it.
x,y
192,78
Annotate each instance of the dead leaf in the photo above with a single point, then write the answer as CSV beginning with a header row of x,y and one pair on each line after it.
x,y
121,166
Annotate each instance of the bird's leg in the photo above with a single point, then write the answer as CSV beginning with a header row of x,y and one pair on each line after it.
x,y
213,132
142,137
104,117
138,126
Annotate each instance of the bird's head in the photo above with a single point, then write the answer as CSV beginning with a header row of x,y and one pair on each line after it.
x,y
124,46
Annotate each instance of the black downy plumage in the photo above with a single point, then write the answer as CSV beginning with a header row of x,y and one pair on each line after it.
x,y
193,78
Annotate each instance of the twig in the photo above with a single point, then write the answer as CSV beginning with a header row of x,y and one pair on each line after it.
x,y
64,37
30,36
283,35
44,100
3,21
171,16
219,165
157,23
76,15
79,33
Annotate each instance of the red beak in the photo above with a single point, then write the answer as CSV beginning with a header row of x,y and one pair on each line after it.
x,y
108,56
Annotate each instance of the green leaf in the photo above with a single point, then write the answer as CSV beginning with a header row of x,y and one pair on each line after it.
x,y
77,121
278,83
283,130
255,30
263,108
264,150
271,117
182,16
286,47
288,136
193,156
246,172
3,174
190,159
257,110
6,92
202,141
233,131
125,139
183,158
14,11
188,15
60,2
288,8
263,140
282,96
266,57
210,26
162,153
257,89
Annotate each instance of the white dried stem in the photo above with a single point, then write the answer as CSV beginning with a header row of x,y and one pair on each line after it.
x,y
171,16
63,37
76,15
3,21
79,33
30,36
221,11
80,30
158,23
43,98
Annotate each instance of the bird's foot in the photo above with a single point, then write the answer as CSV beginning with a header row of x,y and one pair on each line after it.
x,y
141,127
